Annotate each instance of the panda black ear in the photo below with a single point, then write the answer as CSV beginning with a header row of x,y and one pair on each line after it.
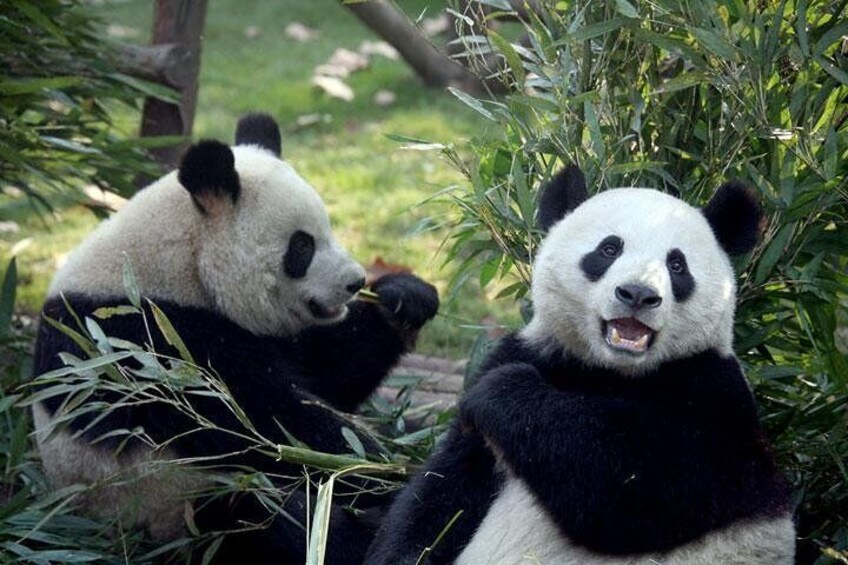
x,y
208,172
565,192
735,216
257,128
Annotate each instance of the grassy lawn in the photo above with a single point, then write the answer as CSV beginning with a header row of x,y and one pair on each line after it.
x,y
372,186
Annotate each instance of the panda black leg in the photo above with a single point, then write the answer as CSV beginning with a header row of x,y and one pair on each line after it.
x,y
280,539
455,489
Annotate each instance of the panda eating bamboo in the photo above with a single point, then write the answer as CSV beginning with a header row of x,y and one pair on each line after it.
x,y
236,249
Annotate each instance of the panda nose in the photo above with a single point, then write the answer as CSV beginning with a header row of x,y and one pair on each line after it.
x,y
637,296
356,286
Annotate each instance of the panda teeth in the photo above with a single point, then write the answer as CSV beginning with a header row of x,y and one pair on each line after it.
x,y
615,337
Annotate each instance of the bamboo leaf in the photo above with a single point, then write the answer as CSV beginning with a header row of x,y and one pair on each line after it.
x,y
86,366
626,9
832,70
7,297
320,531
801,27
831,38
82,341
16,87
594,30
472,103
512,58
353,441
106,312
170,333
130,283
773,252
715,44
69,145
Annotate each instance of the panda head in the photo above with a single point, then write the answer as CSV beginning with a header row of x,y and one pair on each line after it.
x,y
264,252
633,277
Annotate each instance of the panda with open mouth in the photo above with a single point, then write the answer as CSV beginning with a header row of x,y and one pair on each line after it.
x,y
617,427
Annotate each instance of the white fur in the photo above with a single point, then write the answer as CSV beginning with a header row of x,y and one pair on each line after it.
x,y
230,260
126,488
517,530
570,308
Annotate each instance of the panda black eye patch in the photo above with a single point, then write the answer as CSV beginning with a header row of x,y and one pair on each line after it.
x,y
299,254
596,262
682,281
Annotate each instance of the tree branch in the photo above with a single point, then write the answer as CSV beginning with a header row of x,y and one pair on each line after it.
x,y
434,67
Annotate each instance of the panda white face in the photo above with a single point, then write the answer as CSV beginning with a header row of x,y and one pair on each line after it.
x,y
633,277
235,230
269,260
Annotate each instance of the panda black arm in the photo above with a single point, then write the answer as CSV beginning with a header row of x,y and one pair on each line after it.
x,y
259,372
642,470
460,477
345,362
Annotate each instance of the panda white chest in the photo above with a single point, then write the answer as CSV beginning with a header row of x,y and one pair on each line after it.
x,y
518,531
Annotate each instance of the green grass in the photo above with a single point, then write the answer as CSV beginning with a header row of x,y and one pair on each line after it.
x,y
372,186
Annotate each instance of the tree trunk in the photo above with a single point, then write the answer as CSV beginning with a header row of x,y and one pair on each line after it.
x,y
178,22
434,67
162,64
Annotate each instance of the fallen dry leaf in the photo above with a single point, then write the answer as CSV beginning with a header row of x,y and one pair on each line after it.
x,y
351,60
334,87
252,32
381,48
385,98
329,70
300,32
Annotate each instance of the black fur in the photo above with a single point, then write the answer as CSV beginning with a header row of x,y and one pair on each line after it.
x,y
595,263
299,254
411,300
343,357
460,477
269,377
276,381
208,168
735,216
257,128
281,541
682,281
622,465
565,192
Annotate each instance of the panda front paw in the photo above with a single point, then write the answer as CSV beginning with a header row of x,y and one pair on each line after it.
x,y
410,301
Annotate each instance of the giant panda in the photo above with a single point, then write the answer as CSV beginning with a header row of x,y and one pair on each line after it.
x,y
236,249
616,427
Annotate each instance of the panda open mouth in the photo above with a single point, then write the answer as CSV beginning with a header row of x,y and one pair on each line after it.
x,y
322,312
628,334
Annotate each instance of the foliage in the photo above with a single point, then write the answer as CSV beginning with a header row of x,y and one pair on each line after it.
x,y
679,96
58,80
